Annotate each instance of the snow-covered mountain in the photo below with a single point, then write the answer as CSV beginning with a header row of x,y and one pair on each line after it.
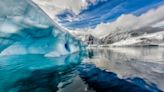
x,y
151,39
140,37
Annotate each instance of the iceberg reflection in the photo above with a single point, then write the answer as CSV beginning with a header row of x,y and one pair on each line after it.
x,y
36,73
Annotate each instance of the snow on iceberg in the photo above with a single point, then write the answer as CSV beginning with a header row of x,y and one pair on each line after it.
x,y
26,29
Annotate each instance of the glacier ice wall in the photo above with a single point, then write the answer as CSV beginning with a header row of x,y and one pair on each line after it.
x,y
26,29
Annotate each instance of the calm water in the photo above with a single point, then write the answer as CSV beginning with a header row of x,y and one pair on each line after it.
x,y
94,70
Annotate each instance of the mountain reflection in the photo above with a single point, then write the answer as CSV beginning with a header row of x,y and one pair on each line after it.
x,y
130,63
103,81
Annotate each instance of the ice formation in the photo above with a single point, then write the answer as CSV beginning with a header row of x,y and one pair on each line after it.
x,y
26,29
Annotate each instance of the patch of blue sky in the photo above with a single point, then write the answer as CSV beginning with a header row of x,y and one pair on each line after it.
x,y
106,11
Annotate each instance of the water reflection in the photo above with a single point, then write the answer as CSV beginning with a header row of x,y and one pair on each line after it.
x,y
103,81
95,70
130,63
36,73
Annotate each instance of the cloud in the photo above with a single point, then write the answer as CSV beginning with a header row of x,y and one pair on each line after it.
x,y
53,7
159,24
130,22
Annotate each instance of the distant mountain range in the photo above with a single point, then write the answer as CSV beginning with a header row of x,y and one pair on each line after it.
x,y
141,37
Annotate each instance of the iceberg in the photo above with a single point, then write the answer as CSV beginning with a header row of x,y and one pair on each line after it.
x,y
26,29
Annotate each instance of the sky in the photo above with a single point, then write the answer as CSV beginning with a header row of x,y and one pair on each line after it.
x,y
100,17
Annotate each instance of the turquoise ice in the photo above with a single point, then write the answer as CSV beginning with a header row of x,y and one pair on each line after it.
x,y
26,29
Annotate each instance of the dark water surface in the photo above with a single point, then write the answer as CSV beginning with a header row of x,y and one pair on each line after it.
x,y
94,70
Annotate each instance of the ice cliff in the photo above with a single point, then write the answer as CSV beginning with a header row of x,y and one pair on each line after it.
x,y
26,29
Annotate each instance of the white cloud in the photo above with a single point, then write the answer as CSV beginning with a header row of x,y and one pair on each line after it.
x,y
53,7
159,24
130,22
